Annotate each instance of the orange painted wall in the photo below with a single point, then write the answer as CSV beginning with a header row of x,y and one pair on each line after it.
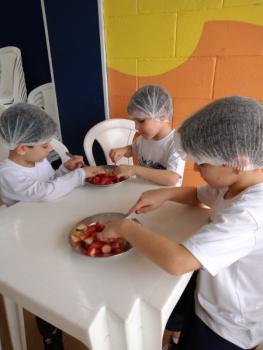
x,y
227,60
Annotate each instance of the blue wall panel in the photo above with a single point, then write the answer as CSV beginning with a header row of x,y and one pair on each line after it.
x,y
75,49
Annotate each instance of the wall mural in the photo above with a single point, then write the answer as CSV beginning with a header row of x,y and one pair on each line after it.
x,y
198,50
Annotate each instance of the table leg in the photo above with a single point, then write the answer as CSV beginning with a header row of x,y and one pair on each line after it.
x,y
16,325
142,330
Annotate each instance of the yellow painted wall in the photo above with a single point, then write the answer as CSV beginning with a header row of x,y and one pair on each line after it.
x,y
199,50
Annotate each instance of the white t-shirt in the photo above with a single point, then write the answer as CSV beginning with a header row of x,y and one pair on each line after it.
x,y
159,154
40,183
229,296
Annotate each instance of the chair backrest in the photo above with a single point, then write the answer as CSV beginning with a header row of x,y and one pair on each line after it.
x,y
60,149
12,79
109,134
3,154
44,97
3,151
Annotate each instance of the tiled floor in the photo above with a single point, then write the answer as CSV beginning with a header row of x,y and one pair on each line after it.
x,y
34,341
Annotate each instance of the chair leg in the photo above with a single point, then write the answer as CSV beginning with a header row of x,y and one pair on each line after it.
x,y
16,325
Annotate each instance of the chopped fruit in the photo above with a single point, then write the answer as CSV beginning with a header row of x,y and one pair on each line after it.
x,y
92,251
99,227
89,240
106,249
75,240
115,245
81,227
105,179
88,243
97,244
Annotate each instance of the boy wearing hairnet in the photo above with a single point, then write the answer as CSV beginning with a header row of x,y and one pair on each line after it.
x,y
26,175
225,140
151,108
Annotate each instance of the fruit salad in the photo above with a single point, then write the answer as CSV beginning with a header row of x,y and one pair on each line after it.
x,y
84,238
108,178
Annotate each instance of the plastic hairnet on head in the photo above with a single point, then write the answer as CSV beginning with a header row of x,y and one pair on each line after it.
x,y
24,123
151,101
228,131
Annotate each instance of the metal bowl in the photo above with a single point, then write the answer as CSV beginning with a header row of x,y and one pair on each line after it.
x,y
102,218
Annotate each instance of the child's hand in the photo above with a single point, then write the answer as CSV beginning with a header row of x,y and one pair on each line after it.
x,y
112,230
74,163
149,200
115,229
116,154
93,170
125,170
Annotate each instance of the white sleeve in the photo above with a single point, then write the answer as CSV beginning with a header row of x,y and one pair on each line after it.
x,y
227,239
20,187
175,163
135,146
61,171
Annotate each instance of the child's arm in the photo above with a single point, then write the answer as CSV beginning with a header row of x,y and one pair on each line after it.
x,y
153,199
20,187
169,255
117,153
158,176
73,163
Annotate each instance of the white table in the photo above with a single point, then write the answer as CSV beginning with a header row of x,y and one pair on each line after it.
x,y
114,303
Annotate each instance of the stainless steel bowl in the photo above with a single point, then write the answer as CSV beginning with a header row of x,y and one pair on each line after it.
x,y
102,218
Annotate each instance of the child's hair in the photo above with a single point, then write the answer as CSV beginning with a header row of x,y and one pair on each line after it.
x,y
229,131
27,124
151,101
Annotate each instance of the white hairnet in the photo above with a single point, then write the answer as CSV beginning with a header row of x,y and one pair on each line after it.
x,y
228,131
151,101
24,123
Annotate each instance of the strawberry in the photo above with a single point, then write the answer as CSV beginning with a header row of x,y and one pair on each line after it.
x,y
115,245
89,240
99,227
81,227
97,244
92,251
85,235
75,240
106,248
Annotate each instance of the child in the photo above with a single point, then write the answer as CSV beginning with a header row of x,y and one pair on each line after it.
x,y
224,139
151,108
27,175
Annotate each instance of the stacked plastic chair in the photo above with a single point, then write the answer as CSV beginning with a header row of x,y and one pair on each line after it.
x,y
3,155
12,79
44,97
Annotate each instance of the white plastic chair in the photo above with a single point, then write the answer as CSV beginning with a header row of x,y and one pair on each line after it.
x,y
44,97
60,149
12,79
109,134
3,154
